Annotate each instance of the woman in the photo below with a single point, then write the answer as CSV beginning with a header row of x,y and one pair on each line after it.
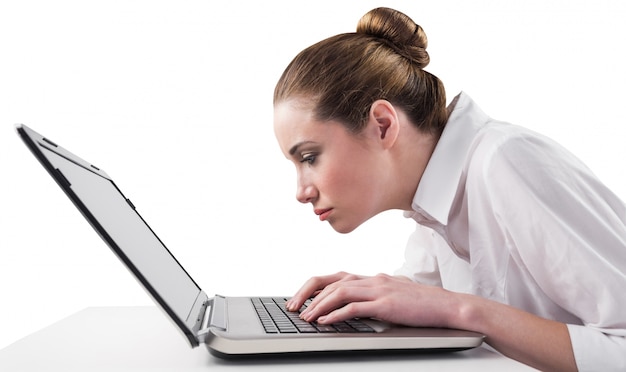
x,y
515,237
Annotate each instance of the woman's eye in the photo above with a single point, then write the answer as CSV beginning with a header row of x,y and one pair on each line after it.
x,y
308,158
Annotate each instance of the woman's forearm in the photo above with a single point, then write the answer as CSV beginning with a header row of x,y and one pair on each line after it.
x,y
535,341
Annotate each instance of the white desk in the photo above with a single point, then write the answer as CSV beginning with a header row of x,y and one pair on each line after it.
x,y
141,338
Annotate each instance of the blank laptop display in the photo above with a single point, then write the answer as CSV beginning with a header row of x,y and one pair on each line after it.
x,y
229,327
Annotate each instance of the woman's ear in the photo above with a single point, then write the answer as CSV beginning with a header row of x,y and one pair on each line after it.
x,y
384,117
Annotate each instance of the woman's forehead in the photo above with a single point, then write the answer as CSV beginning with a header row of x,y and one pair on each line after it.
x,y
289,116
294,123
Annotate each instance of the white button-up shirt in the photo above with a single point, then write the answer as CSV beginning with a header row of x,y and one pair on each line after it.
x,y
509,215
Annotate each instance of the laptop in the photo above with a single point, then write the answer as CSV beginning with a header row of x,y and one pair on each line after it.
x,y
230,327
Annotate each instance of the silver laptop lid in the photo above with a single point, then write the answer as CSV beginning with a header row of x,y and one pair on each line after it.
x,y
116,220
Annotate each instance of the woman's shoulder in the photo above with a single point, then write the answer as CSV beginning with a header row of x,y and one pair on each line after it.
x,y
500,143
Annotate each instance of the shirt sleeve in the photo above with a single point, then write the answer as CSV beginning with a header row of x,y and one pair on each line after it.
x,y
420,264
568,230
599,352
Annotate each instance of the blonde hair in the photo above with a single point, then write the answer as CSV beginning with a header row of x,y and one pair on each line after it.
x,y
340,77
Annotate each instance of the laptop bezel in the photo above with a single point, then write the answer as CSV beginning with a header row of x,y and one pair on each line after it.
x,y
191,326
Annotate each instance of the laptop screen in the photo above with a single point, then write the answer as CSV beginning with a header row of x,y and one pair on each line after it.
x,y
128,234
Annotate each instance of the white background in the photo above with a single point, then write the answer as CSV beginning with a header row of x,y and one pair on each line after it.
x,y
174,100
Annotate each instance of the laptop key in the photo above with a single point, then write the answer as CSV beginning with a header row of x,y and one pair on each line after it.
x,y
325,328
359,326
307,329
343,328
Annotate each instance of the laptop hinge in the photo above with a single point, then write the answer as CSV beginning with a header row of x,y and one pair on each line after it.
x,y
204,326
208,305
214,316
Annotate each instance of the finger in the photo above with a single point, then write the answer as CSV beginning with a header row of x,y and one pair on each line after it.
x,y
337,296
346,281
352,310
354,289
341,279
312,287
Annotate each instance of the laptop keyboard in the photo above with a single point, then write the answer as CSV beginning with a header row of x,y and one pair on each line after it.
x,y
276,319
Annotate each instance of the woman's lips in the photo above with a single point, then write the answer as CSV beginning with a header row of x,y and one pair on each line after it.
x,y
323,213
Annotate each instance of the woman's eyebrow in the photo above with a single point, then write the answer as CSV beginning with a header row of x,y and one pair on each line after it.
x,y
295,147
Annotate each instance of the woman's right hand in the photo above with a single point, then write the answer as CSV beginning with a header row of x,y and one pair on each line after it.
x,y
315,285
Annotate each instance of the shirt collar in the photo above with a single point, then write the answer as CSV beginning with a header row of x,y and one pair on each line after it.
x,y
439,183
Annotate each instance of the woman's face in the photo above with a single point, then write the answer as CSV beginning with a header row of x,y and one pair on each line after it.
x,y
341,174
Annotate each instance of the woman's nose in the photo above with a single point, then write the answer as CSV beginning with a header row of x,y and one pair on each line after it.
x,y
305,193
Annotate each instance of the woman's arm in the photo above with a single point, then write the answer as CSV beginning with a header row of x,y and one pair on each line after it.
x,y
535,341
540,343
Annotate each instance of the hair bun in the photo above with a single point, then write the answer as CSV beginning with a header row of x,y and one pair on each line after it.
x,y
399,30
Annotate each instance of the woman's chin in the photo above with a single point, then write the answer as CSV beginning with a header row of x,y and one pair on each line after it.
x,y
343,228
